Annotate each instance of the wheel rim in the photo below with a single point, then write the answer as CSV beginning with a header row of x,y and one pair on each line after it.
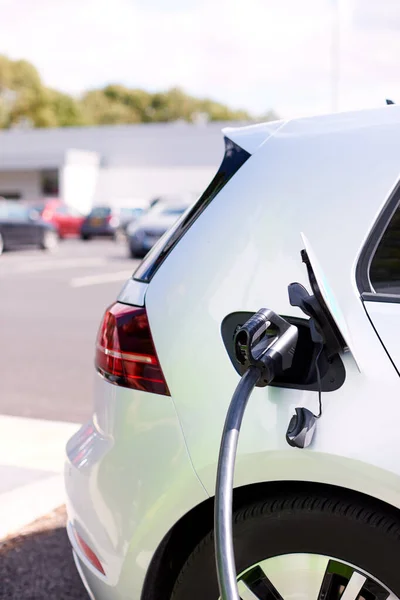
x,y
309,577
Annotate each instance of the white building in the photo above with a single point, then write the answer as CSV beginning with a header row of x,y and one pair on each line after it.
x,y
109,164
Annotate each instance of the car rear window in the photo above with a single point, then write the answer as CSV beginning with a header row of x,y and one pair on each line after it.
x,y
100,211
385,265
234,158
14,211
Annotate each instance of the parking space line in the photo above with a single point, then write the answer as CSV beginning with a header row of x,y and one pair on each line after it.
x,y
53,264
78,282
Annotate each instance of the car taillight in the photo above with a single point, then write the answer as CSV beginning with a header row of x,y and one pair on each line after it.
x,y
88,552
125,353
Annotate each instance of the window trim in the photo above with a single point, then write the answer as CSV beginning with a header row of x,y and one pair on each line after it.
x,y
380,297
157,255
369,249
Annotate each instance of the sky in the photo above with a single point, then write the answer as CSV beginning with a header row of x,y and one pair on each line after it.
x,y
253,54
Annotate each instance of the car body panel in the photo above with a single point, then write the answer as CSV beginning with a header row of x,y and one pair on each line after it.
x,y
114,505
133,292
192,292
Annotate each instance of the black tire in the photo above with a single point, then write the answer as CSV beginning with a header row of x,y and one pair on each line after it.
x,y
85,237
132,253
361,535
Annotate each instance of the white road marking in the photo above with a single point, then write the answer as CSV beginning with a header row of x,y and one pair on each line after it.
x,y
78,282
31,445
53,264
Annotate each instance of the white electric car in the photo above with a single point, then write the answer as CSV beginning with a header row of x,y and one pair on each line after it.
x,y
320,523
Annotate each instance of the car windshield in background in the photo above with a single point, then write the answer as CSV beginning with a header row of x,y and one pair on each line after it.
x,y
11,210
39,209
131,211
100,211
172,211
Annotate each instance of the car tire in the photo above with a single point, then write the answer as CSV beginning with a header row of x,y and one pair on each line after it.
x,y
132,253
348,531
85,237
49,241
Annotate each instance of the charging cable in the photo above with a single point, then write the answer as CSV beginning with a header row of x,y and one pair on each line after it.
x,y
265,346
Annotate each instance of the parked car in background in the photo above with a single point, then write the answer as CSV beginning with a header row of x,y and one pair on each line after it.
x,y
108,221
128,216
146,231
21,226
67,220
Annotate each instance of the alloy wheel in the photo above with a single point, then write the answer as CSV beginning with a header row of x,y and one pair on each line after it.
x,y
309,577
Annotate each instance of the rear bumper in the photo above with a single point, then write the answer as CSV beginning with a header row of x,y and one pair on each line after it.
x,y
128,480
100,231
83,575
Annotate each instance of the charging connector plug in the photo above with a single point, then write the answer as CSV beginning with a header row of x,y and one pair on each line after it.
x,y
268,342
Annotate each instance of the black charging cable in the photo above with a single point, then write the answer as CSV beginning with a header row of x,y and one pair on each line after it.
x,y
265,347
224,554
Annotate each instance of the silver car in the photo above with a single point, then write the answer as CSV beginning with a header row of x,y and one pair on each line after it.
x,y
148,229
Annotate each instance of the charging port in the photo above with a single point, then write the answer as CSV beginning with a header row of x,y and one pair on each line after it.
x,y
302,374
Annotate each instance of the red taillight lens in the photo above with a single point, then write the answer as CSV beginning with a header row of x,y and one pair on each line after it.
x,y
125,353
88,552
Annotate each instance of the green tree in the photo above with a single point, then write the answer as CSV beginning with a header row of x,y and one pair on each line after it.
x,y
100,108
24,99
67,111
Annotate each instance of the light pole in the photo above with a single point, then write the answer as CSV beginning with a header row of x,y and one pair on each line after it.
x,y
335,56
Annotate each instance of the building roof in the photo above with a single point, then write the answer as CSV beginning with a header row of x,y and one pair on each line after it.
x,y
150,144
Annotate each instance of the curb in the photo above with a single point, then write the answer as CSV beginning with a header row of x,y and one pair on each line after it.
x,y
31,469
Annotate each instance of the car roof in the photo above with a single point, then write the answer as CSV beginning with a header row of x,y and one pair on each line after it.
x,y
252,137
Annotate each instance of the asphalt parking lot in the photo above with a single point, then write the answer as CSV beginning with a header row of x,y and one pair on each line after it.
x,y
37,564
51,306
50,309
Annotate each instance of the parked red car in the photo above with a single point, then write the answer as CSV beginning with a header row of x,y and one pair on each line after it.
x,y
66,219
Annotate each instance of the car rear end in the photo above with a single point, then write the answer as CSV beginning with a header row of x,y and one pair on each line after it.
x,y
102,221
129,476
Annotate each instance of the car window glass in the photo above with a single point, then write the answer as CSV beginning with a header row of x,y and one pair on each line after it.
x,y
62,210
385,265
174,211
39,208
17,212
73,212
100,211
